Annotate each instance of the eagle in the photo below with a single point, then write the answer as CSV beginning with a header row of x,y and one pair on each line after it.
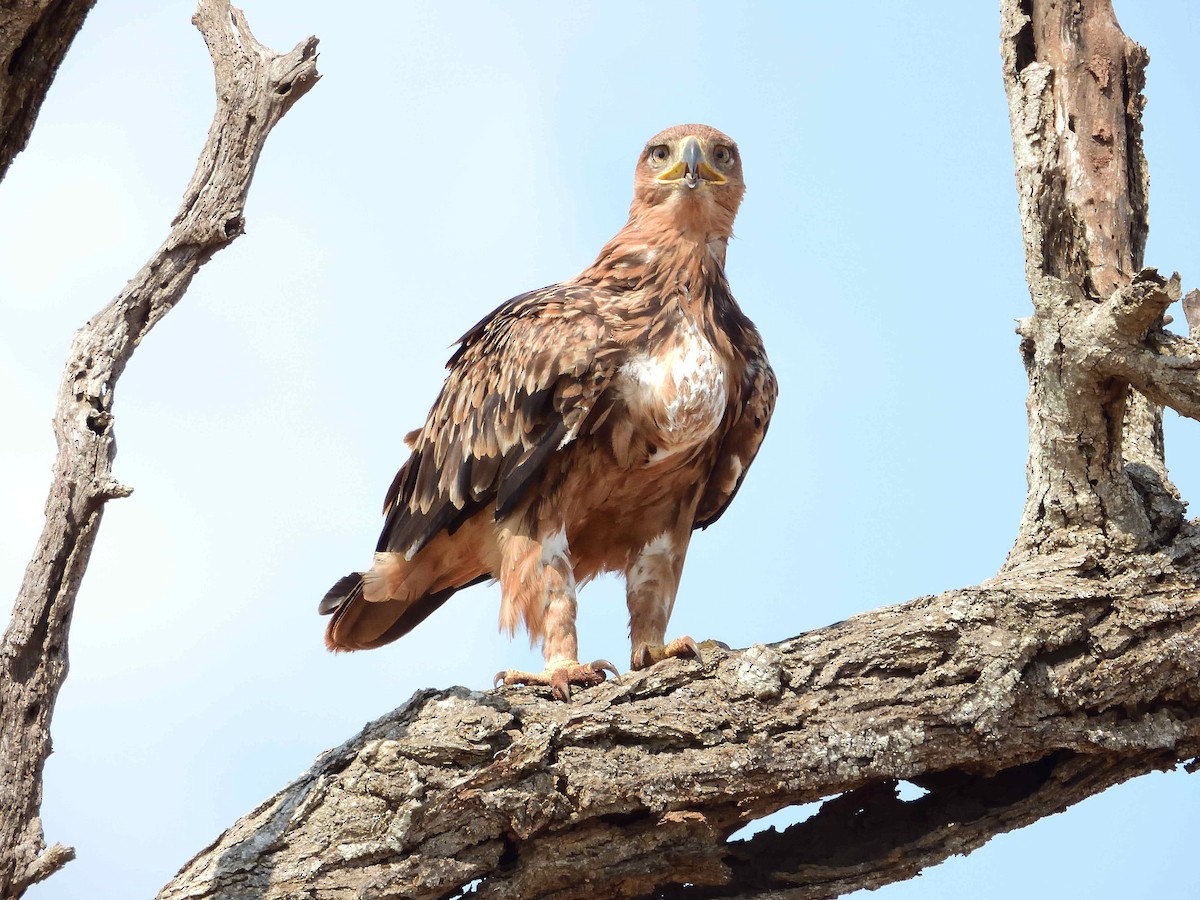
x,y
590,426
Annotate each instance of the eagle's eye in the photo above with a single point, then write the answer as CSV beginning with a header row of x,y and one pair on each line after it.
x,y
723,156
659,155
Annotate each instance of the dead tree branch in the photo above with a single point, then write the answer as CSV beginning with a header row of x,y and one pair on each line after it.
x,y
34,37
1007,702
1096,471
255,87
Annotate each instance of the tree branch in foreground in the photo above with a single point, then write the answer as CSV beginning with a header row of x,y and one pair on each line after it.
x,y
1008,702
255,87
34,37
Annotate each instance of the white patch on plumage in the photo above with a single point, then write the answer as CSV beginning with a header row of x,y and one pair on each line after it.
x,y
699,380
647,567
735,464
554,546
555,549
681,389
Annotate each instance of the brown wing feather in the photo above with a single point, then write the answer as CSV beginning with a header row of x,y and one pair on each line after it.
x,y
742,440
521,384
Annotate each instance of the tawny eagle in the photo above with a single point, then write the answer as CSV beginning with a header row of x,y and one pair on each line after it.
x,y
585,427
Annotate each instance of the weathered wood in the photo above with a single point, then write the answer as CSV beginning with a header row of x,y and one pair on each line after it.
x,y
34,37
1096,476
255,87
1007,701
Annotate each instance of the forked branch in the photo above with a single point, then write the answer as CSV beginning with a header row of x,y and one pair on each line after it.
x,y
1097,477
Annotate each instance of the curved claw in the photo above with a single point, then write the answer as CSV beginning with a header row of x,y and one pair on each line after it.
x,y
641,658
603,665
646,655
561,676
684,646
560,685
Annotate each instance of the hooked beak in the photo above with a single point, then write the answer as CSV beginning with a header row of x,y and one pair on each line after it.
x,y
691,157
692,167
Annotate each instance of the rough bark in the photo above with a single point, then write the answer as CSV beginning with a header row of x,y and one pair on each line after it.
x,y
1096,473
1007,702
255,87
1071,671
34,37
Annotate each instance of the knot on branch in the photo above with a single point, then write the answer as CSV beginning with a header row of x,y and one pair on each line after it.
x,y
295,72
111,489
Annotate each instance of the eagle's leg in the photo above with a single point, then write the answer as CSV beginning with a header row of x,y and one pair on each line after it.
x,y
650,587
537,582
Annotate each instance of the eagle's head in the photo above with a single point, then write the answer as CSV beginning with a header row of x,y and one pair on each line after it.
x,y
689,178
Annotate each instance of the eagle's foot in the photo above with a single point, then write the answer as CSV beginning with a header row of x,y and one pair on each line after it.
x,y
560,675
646,655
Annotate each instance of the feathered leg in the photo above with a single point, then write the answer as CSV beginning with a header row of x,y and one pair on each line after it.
x,y
651,583
537,584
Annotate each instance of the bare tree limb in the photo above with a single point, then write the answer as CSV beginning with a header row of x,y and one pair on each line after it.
x,y
1007,702
1129,313
255,87
1168,372
34,37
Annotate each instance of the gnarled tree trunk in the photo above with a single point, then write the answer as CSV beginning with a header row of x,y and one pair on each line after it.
x,y
1071,671
1096,475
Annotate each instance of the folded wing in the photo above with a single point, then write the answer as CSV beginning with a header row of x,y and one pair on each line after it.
x,y
752,416
521,385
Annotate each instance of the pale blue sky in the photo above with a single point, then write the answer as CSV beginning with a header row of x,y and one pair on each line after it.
x,y
454,155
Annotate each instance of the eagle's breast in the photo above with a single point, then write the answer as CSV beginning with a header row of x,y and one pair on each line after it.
x,y
676,391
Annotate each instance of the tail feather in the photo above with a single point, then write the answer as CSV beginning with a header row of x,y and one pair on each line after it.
x,y
340,593
373,608
360,624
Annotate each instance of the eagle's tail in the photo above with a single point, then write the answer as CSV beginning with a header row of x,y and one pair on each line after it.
x,y
340,593
365,617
